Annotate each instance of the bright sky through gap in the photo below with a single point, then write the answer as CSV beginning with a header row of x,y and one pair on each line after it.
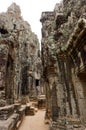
x,y
31,11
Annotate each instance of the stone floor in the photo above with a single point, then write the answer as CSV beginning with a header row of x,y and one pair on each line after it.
x,y
35,122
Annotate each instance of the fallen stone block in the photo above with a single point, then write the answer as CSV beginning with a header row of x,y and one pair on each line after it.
x,y
10,123
6,112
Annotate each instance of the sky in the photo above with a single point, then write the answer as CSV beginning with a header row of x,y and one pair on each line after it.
x,y
31,11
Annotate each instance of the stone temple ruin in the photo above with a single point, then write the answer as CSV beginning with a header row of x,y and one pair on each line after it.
x,y
64,64
61,75
19,66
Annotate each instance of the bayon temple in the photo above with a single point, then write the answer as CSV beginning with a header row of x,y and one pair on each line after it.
x,y
57,73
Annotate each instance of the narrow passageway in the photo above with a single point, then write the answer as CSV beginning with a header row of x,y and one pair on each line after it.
x,y
35,122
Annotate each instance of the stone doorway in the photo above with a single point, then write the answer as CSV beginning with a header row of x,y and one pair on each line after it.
x,y
9,88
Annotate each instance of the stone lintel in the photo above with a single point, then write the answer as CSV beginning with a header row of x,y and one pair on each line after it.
x,y
77,35
47,16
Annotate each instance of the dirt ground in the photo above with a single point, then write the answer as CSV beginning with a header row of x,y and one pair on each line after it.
x,y
35,122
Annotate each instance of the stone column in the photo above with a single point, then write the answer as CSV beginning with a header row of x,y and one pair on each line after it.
x,y
48,100
3,62
80,83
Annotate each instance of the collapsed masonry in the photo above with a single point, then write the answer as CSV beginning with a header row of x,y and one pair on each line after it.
x,y
19,61
64,64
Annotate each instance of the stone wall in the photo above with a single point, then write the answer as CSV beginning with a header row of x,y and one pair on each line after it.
x,y
19,48
63,61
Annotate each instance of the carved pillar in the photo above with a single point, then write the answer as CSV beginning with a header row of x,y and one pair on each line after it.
x,y
3,62
10,80
48,100
80,84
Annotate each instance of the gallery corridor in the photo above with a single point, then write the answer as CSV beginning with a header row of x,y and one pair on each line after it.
x,y
35,122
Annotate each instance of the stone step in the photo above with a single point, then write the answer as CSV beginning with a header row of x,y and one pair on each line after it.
x,y
6,111
10,123
14,120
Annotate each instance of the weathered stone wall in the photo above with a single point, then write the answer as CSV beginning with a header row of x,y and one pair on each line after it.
x,y
63,41
19,48
49,72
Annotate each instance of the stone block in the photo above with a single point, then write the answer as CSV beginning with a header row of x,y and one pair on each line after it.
x,y
21,112
10,123
17,107
27,111
6,111
2,103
